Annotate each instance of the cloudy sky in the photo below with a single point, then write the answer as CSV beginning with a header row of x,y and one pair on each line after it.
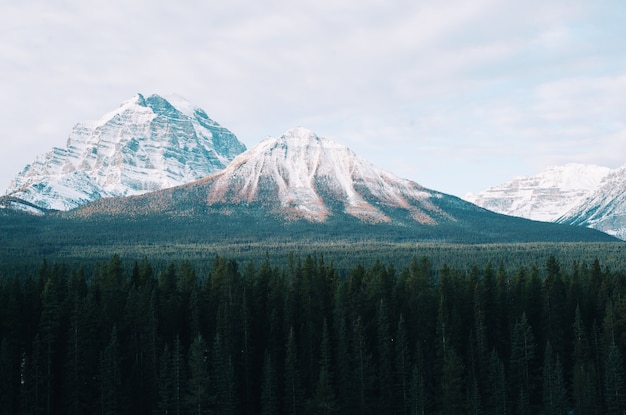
x,y
456,95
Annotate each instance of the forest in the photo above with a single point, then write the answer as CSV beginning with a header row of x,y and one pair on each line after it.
x,y
298,337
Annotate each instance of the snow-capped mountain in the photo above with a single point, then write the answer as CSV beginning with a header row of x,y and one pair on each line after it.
x,y
546,196
146,144
310,176
303,176
303,184
605,208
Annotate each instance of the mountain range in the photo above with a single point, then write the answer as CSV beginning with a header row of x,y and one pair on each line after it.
x,y
576,194
145,145
304,186
161,170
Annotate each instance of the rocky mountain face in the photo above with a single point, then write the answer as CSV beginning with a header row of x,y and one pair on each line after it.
x,y
605,208
304,184
575,194
146,144
544,197
301,176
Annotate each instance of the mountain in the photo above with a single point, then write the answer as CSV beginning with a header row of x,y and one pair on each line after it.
x,y
302,184
603,209
146,144
546,196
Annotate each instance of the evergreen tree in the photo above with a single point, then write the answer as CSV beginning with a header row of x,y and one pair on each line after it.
x,y
199,397
179,376
583,382
417,392
523,364
554,393
7,379
294,394
75,364
403,366
385,365
363,369
324,396
496,402
111,376
165,401
343,361
452,384
223,378
48,326
270,403
614,381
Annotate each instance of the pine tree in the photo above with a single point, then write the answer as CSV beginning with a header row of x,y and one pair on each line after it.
x,y
417,392
385,365
198,398
402,368
75,366
223,378
554,393
270,404
179,377
7,386
523,364
110,376
583,382
324,396
165,381
48,325
452,384
614,381
294,394
496,402
343,360
363,368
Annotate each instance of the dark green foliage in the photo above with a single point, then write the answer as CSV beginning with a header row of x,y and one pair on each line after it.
x,y
199,397
269,388
303,337
614,381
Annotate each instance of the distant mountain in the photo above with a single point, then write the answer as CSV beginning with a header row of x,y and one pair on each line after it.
x,y
546,196
301,183
146,144
604,208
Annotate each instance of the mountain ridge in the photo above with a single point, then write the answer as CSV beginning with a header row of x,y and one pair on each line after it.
x,y
145,144
301,184
605,208
545,196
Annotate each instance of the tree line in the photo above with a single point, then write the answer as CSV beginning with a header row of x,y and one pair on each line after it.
x,y
300,337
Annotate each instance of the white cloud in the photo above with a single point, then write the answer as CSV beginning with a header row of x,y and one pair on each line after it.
x,y
406,84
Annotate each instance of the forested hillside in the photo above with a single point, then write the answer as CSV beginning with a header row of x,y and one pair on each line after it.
x,y
298,337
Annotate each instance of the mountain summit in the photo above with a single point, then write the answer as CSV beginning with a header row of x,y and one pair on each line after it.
x,y
301,176
605,208
546,196
304,176
302,184
146,144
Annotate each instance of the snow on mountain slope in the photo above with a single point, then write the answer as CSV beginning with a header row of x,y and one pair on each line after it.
x,y
307,174
605,208
298,176
145,145
546,196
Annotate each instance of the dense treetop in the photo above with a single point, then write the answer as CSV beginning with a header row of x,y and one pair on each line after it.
x,y
297,336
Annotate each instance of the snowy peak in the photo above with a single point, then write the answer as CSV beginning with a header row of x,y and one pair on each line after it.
x,y
546,196
304,176
604,208
146,144
301,185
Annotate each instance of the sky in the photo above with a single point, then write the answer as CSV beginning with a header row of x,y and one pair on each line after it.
x,y
456,95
